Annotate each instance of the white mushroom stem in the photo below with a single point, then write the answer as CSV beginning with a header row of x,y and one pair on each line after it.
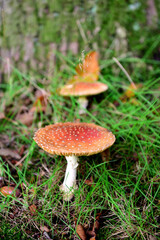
x,y
69,183
83,102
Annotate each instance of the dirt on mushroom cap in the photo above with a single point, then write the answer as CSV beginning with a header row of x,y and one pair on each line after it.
x,y
83,89
74,139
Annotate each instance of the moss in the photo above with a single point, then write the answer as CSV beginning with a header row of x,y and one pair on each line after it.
x,y
9,232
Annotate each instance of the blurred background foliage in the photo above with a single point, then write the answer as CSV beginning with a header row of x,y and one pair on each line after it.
x,y
33,31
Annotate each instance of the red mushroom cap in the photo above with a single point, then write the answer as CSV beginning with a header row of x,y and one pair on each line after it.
x,y
74,139
83,89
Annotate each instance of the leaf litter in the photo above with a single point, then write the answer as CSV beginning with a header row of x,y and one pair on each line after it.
x,y
39,105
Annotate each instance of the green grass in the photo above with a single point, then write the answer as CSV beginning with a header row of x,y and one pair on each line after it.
x,y
125,190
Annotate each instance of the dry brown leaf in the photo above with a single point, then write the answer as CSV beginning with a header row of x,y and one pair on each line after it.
x,y
135,102
44,228
2,116
95,226
7,152
150,237
6,190
33,209
91,234
96,223
41,102
26,118
130,92
89,181
81,232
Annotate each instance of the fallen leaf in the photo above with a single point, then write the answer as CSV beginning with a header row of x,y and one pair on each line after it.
x,y
89,181
41,102
46,236
44,228
96,223
150,237
2,116
4,140
130,92
33,209
81,232
11,216
135,102
5,152
26,118
6,190
92,234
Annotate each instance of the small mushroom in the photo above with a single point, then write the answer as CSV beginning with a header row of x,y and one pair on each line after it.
x,y
72,140
82,90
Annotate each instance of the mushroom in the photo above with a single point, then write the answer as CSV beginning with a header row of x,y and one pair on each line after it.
x,y
72,140
82,90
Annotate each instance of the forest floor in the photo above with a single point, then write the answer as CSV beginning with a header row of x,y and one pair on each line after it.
x,y
118,193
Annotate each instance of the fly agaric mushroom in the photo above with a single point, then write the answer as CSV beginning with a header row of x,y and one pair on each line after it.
x,y
82,90
72,140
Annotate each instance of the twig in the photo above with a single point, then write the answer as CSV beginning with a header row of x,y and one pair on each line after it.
x,y
125,72
22,159
10,164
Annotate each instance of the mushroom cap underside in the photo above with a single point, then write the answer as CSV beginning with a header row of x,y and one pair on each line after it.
x,y
80,139
82,89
